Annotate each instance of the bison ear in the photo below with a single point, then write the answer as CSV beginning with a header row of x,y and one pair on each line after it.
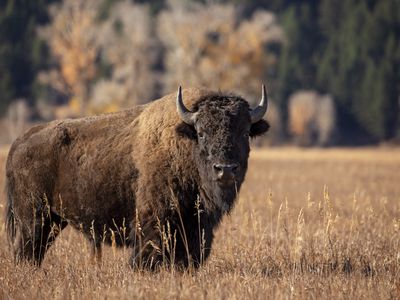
x,y
259,128
186,131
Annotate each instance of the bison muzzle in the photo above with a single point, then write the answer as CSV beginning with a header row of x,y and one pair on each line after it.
x,y
157,177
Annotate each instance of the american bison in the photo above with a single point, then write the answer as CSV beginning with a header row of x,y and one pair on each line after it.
x,y
157,177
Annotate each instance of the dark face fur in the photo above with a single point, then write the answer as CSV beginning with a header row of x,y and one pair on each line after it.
x,y
221,132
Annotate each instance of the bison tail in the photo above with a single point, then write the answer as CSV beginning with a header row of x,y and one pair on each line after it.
x,y
10,217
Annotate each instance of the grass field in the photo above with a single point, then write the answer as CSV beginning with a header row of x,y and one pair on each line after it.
x,y
308,224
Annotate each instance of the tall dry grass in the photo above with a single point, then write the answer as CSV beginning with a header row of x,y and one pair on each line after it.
x,y
308,224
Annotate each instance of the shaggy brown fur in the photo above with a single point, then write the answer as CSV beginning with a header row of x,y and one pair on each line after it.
x,y
130,178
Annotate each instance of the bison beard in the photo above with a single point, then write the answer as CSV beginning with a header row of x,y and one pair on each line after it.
x,y
156,178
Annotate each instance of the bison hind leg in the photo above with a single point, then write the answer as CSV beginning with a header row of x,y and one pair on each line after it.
x,y
31,243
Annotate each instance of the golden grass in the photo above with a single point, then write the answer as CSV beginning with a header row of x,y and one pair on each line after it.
x,y
308,224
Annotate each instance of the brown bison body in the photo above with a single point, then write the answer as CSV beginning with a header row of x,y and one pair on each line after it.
x,y
127,177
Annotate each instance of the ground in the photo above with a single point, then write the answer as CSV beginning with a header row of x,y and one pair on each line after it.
x,y
308,224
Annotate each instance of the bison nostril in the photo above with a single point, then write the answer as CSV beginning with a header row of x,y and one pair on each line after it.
x,y
217,168
234,168
225,171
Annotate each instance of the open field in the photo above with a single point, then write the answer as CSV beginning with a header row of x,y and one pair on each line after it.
x,y
308,224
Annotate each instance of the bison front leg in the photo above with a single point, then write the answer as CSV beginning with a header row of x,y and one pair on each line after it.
x,y
147,246
146,253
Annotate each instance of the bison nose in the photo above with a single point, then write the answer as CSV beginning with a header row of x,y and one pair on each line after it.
x,y
226,171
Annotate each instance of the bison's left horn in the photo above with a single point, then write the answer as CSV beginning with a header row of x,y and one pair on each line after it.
x,y
186,115
257,113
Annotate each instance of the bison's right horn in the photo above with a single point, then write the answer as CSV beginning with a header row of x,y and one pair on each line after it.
x,y
257,113
186,115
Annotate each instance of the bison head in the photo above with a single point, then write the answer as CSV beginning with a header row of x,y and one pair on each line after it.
x,y
220,126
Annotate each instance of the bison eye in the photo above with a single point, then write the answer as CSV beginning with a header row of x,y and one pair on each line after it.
x,y
200,135
246,134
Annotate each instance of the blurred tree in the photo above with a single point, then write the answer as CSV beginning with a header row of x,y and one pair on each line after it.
x,y
128,44
210,45
312,118
22,53
297,62
72,40
360,61
104,55
155,5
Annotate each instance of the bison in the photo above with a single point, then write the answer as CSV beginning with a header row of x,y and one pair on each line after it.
x,y
157,177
